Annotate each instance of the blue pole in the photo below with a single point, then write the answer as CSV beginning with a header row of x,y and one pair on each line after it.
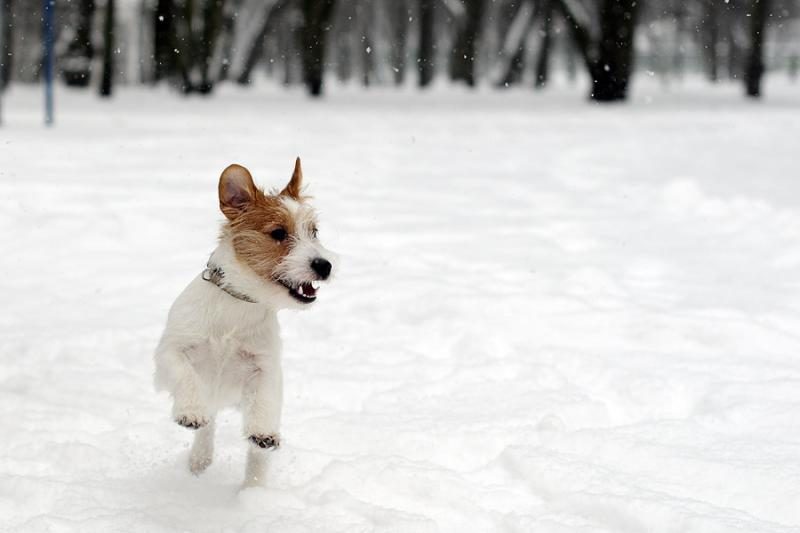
x,y
47,66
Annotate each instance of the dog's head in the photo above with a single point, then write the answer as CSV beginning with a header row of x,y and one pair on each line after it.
x,y
275,235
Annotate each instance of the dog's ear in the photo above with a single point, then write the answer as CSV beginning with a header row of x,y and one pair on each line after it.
x,y
236,191
292,190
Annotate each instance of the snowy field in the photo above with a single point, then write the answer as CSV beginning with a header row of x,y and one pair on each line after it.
x,y
549,317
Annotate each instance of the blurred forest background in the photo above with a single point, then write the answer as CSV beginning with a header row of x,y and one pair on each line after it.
x,y
194,45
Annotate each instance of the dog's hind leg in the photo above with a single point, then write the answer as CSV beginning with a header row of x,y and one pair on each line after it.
x,y
202,449
256,469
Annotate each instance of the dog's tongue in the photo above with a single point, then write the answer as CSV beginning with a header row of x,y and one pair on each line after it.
x,y
307,289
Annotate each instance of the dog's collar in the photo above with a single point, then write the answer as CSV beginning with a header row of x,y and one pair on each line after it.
x,y
215,274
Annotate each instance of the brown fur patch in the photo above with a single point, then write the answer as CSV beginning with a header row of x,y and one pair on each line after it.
x,y
292,189
250,234
253,215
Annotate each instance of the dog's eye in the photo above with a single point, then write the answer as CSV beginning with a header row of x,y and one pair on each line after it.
x,y
278,234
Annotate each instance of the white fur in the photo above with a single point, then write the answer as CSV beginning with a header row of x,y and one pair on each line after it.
x,y
218,351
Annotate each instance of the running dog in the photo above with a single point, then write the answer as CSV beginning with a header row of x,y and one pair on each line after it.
x,y
221,346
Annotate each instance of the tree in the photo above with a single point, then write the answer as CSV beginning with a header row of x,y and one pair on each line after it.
x,y
106,84
427,44
212,26
543,61
164,20
6,43
183,48
755,63
609,60
316,19
462,61
2,41
710,26
399,19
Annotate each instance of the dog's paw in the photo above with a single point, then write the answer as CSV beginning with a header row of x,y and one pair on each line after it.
x,y
198,463
192,421
266,441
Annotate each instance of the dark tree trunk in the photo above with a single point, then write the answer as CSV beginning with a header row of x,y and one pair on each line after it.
x,y
6,46
227,29
613,68
365,14
755,63
543,61
427,43
163,48
367,60
681,15
735,70
212,25
76,62
610,62
462,61
107,83
399,16
711,38
316,18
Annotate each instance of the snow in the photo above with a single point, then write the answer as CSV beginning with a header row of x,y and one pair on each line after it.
x,y
550,316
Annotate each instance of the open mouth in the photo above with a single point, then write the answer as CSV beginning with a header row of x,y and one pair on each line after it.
x,y
305,292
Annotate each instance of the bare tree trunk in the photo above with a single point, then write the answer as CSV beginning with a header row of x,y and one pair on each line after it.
x,y
427,43
399,16
227,29
212,26
755,63
542,62
711,38
316,15
612,71
681,14
462,61
164,64
365,13
6,46
610,62
3,25
107,83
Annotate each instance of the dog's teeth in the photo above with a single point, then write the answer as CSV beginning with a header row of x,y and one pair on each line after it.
x,y
300,288
315,284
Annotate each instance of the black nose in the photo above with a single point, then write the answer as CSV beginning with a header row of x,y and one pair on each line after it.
x,y
322,267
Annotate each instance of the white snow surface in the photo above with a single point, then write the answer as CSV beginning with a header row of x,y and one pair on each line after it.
x,y
550,316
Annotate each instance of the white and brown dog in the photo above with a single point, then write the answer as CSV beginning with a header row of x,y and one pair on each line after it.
x,y
221,346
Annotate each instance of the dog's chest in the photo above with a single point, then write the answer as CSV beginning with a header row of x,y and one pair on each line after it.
x,y
229,357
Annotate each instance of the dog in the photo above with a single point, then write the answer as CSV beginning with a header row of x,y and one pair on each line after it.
x,y
221,345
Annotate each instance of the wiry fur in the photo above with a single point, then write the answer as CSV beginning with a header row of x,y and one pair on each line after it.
x,y
218,351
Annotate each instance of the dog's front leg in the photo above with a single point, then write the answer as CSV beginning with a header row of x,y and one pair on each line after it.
x,y
261,409
188,409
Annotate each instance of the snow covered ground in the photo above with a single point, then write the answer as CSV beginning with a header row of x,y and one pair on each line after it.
x,y
550,316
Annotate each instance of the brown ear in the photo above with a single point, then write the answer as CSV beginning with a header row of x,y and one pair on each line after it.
x,y
292,190
236,191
